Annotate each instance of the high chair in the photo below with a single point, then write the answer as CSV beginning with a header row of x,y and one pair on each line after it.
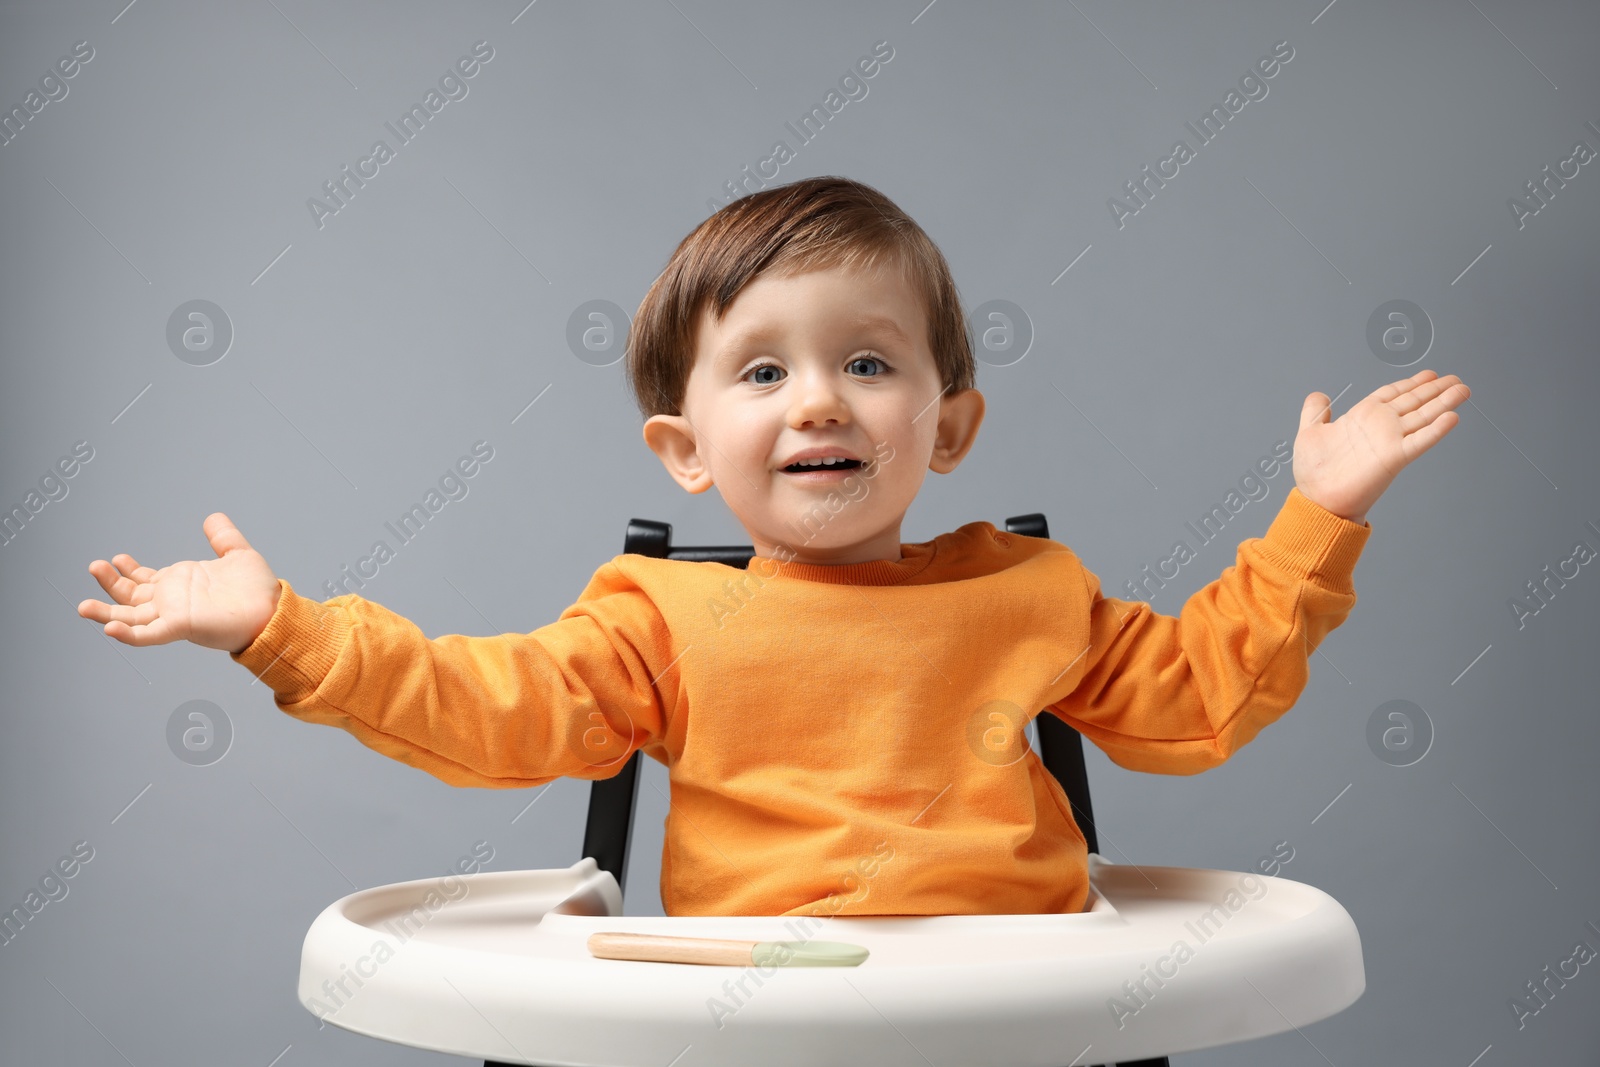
x,y
504,973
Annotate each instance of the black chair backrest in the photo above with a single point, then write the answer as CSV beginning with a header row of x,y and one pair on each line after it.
x,y
611,800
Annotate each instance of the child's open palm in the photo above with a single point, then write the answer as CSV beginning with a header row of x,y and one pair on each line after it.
x,y
218,603
1346,464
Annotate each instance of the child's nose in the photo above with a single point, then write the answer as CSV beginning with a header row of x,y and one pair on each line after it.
x,y
817,398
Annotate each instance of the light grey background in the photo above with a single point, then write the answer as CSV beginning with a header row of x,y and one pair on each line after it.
x,y
369,354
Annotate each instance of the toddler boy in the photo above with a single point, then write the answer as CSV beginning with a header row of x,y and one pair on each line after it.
x,y
843,720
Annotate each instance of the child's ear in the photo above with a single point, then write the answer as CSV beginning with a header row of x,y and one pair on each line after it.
x,y
672,438
959,418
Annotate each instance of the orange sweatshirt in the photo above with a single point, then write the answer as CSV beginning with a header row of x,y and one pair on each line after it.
x,y
840,739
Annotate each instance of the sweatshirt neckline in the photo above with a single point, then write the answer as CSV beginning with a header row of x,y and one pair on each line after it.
x,y
915,558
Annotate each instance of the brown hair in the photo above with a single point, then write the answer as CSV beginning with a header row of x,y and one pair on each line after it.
x,y
810,224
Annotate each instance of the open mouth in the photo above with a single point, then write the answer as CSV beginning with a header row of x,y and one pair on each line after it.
x,y
813,468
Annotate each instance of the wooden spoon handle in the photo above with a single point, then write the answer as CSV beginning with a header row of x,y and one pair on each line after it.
x,y
662,948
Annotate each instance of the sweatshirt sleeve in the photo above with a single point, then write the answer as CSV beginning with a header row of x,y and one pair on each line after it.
x,y
1180,695
574,698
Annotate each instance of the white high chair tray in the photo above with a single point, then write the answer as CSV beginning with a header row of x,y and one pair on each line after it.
x,y
495,975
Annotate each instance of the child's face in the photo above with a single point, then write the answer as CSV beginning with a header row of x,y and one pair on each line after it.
x,y
796,364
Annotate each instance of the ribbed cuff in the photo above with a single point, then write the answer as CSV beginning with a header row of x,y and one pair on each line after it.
x,y
1316,542
299,646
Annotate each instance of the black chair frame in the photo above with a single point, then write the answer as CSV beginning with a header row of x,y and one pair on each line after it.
x,y
611,800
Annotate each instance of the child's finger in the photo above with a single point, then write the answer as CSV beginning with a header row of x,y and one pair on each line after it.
x,y
223,534
118,585
1413,399
1422,377
1315,409
1416,442
130,566
100,611
1386,394
109,578
139,636
1448,399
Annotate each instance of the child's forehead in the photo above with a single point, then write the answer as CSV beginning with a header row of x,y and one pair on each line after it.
x,y
763,306
882,272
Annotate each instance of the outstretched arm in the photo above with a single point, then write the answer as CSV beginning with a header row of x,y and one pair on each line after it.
x,y
1177,695
572,699
1180,694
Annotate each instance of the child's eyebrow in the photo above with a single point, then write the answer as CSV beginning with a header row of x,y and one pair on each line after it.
x,y
888,326
760,335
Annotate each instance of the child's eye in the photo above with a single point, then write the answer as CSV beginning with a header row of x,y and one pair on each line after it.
x,y
884,368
